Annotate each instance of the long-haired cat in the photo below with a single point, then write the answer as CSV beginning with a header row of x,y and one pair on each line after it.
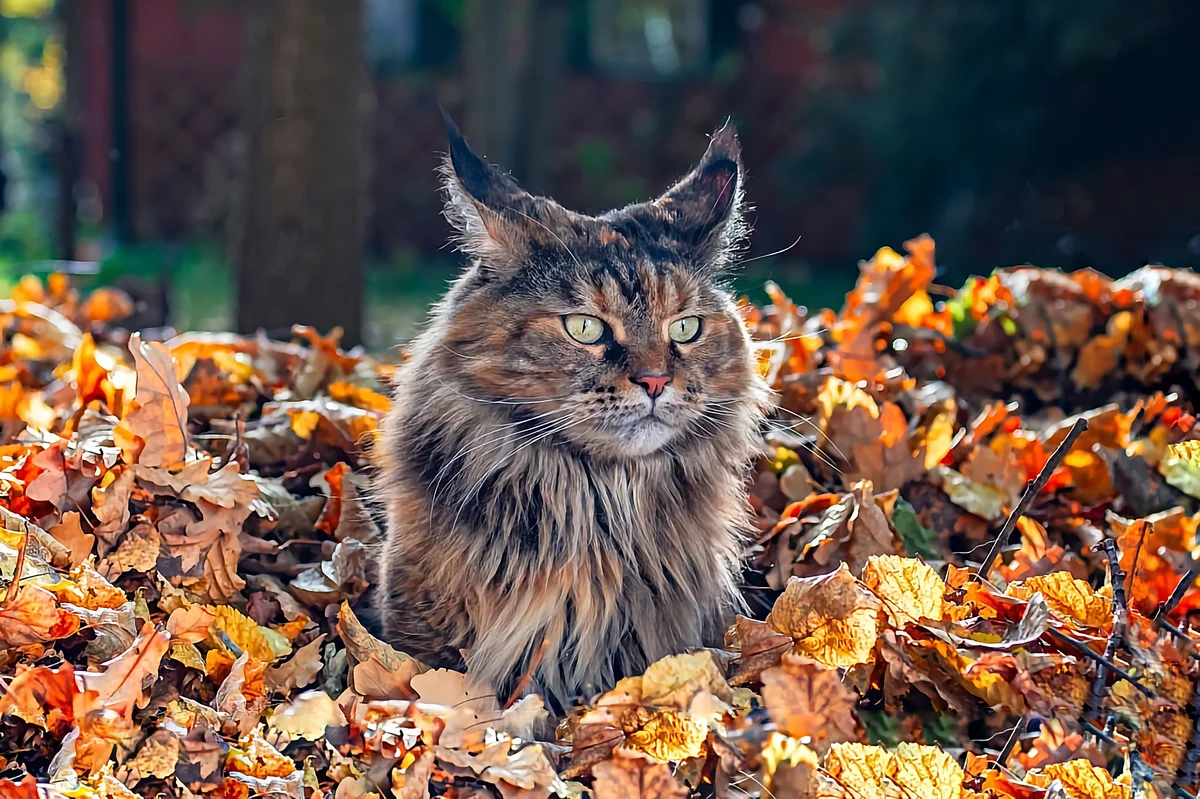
x,y
564,468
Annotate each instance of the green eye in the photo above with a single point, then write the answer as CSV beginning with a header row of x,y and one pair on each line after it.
x,y
583,328
685,330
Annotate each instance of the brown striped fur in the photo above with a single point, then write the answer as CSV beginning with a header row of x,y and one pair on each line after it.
x,y
531,502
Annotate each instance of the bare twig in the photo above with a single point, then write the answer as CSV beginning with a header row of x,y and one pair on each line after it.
x,y
1181,588
527,677
1031,490
1011,743
11,594
1116,637
1082,648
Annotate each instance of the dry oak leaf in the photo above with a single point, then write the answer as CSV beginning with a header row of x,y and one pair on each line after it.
x,y
377,671
242,695
808,701
626,777
154,433
70,534
1068,598
527,768
34,617
909,588
832,618
1081,780
300,670
122,685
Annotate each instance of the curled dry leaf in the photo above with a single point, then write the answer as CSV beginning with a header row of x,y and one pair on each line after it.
x,y
377,671
1068,598
33,616
154,433
1081,780
833,619
909,589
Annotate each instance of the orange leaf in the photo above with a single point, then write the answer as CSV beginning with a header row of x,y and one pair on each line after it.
x,y
34,617
154,433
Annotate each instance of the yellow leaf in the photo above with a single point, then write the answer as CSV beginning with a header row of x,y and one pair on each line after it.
x,y
1080,779
669,736
304,422
244,632
1186,451
927,772
862,770
677,680
1068,598
909,589
832,618
257,758
188,655
870,772
359,397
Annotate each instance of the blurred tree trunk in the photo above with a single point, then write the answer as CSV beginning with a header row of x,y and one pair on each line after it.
x,y
541,82
515,52
298,255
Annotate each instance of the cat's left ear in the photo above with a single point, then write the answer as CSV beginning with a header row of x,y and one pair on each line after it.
x,y
705,208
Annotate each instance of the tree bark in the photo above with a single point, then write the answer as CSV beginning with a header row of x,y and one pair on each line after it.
x,y
298,256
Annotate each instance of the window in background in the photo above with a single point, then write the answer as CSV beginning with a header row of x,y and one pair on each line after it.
x,y
661,38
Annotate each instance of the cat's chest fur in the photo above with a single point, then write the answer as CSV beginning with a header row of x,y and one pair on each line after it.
x,y
592,568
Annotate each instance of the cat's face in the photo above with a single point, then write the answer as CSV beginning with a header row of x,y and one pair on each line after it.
x,y
611,332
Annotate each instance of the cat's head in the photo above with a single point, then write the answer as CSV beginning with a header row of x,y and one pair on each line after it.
x,y
612,332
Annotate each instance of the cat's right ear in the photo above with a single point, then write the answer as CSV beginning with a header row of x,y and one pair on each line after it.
x,y
481,202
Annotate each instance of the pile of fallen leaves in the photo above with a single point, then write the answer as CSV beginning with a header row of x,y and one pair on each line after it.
x,y
972,566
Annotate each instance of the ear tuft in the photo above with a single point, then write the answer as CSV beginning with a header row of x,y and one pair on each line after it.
x,y
477,195
705,207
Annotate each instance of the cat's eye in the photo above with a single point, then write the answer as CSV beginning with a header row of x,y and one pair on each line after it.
x,y
684,330
583,328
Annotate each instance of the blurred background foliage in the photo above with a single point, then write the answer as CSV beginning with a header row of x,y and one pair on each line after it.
x,y
251,163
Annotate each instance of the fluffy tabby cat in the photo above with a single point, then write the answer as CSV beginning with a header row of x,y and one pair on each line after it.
x,y
563,471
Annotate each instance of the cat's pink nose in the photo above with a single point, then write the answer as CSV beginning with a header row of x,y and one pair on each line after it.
x,y
654,384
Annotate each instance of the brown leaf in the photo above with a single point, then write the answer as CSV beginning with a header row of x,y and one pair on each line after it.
x,y
808,701
378,671
154,433
70,534
300,670
626,777
242,695
110,506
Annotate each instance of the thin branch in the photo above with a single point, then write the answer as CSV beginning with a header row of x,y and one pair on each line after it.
x,y
1181,588
1031,490
1011,743
1082,648
1116,637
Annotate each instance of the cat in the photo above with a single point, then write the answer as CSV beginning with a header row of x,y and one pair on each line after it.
x,y
563,470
